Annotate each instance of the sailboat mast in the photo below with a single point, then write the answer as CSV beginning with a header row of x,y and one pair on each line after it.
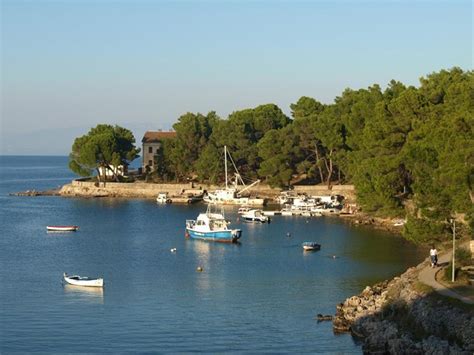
x,y
225,164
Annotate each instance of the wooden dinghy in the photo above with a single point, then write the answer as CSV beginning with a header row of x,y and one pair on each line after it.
x,y
83,281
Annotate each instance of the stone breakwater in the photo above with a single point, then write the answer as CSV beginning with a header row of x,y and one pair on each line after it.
x,y
138,189
403,317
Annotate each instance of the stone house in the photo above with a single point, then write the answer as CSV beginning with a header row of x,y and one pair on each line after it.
x,y
151,144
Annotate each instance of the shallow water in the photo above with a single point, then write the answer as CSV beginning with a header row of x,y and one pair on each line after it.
x,y
257,296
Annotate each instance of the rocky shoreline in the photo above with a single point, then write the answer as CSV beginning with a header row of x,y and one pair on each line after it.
x,y
52,192
402,316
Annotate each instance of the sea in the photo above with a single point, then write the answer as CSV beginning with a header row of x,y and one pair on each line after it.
x,y
259,296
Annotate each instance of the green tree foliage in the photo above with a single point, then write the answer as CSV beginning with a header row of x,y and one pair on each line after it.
x,y
375,163
210,164
192,135
401,146
440,150
278,150
306,107
243,130
164,166
104,146
310,156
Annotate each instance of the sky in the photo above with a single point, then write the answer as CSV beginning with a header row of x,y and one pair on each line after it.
x,y
69,65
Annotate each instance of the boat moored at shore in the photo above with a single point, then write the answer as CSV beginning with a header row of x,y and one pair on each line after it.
x,y
233,195
230,196
163,198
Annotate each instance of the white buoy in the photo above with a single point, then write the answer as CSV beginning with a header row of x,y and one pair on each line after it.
x,y
199,269
173,250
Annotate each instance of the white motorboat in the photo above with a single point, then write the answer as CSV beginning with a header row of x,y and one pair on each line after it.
x,y
62,228
286,211
83,280
255,216
163,198
286,197
330,201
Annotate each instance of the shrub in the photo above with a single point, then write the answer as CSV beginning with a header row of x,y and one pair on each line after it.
x,y
463,257
448,272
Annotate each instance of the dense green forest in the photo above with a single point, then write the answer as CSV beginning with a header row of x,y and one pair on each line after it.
x,y
404,148
408,150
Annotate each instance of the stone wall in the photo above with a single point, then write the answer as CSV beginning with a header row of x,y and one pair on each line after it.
x,y
128,190
139,189
348,191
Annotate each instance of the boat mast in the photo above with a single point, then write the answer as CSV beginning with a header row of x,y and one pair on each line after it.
x,y
225,164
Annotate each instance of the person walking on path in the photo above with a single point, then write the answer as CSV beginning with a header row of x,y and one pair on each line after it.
x,y
433,256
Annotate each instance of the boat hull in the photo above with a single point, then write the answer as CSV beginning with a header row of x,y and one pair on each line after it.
x,y
83,281
308,246
62,228
257,219
228,236
235,201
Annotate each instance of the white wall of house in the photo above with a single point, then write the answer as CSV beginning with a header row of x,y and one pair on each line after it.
x,y
109,173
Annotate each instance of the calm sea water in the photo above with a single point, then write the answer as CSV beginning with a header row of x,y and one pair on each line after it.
x,y
259,296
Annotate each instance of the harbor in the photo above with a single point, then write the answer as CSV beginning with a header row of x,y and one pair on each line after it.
x,y
138,247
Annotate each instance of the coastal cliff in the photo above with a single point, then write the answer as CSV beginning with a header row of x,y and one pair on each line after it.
x,y
402,316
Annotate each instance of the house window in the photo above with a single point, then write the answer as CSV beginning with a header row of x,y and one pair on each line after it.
x,y
150,162
150,149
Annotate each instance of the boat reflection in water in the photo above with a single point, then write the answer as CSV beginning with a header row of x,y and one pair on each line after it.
x,y
88,294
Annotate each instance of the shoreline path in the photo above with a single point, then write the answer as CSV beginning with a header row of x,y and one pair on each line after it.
x,y
428,277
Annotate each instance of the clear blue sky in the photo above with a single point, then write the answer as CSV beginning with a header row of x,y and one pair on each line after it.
x,y
69,65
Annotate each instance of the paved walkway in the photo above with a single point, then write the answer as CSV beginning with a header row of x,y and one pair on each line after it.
x,y
428,277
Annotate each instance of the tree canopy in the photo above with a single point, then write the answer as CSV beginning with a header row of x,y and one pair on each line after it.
x,y
408,150
104,146
400,146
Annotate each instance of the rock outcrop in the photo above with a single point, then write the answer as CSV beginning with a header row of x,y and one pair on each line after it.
x,y
402,317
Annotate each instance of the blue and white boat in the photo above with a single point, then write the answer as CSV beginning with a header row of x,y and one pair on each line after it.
x,y
213,227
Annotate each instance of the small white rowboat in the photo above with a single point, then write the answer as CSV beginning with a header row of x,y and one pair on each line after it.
x,y
311,246
62,228
83,281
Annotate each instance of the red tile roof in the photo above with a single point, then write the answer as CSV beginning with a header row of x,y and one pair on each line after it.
x,y
155,136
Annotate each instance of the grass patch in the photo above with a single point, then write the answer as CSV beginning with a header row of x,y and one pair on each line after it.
x,y
422,288
461,285
454,302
